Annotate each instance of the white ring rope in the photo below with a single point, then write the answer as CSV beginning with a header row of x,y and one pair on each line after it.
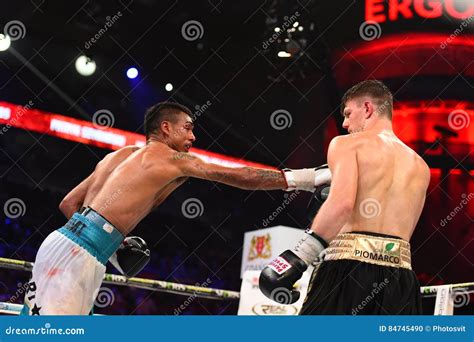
x,y
142,283
181,289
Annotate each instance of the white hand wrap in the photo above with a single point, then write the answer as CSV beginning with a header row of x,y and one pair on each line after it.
x,y
306,179
310,248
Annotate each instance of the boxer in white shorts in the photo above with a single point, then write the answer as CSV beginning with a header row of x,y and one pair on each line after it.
x,y
122,190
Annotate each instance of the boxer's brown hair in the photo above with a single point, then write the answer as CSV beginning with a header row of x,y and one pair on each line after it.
x,y
382,96
163,111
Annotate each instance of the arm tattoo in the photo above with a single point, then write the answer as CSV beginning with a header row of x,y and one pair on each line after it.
x,y
268,173
183,155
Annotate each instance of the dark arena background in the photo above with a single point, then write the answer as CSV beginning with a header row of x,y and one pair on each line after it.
x,y
264,80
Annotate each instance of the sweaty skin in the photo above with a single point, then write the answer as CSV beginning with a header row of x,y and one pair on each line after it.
x,y
89,187
378,183
129,183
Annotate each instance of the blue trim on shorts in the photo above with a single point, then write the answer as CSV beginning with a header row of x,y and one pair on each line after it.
x,y
25,311
94,233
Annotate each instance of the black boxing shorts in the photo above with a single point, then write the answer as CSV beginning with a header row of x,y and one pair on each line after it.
x,y
364,274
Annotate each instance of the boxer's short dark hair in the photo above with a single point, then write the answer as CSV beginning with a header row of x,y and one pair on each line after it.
x,y
375,89
163,111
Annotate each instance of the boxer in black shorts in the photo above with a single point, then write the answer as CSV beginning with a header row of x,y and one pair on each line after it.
x,y
378,190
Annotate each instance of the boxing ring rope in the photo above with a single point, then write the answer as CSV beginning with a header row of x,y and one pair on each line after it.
x,y
431,291
186,290
10,308
142,283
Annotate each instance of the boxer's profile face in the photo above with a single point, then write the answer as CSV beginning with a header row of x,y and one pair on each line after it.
x,y
355,114
180,133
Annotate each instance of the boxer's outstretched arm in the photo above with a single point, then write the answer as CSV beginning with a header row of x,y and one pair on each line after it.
x,y
247,178
338,207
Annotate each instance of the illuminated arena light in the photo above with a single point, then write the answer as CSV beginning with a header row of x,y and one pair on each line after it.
x,y
404,55
85,132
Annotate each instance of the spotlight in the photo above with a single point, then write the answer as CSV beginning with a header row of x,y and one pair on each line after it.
x,y
296,24
85,66
4,42
284,54
132,73
277,29
168,87
300,28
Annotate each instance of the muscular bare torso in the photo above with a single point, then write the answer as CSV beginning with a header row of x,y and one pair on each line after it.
x,y
129,183
391,189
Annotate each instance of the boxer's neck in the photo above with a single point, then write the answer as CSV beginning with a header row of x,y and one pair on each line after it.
x,y
379,125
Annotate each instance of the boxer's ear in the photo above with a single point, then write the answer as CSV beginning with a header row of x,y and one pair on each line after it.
x,y
368,109
165,127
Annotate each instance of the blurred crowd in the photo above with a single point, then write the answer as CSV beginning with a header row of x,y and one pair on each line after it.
x,y
20,239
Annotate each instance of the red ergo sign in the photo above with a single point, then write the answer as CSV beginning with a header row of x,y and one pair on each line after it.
x,y
392,10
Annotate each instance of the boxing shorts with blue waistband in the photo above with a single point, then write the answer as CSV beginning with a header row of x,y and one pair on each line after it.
x,y
70,266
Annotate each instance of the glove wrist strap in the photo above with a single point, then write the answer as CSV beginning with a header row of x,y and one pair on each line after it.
x,y
310,247
302,179
322,176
